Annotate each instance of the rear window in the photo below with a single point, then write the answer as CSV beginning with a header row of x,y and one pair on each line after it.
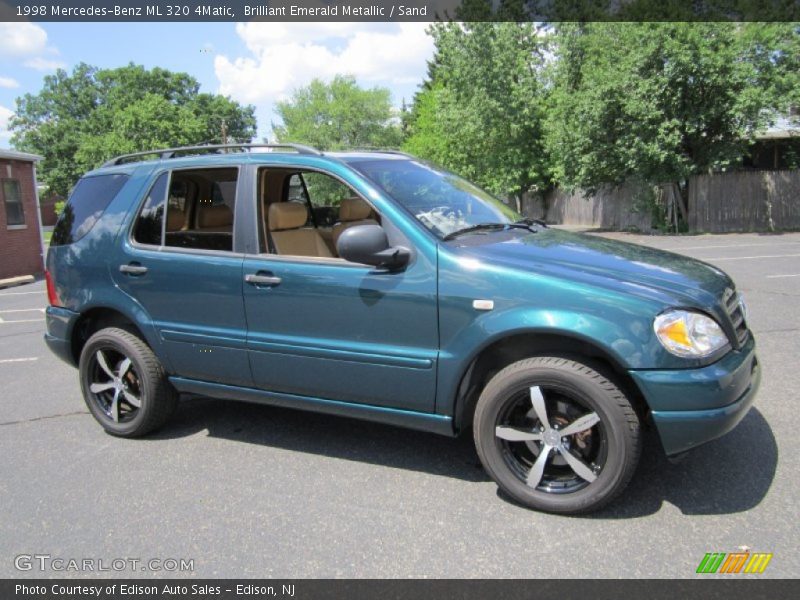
x,y
86,204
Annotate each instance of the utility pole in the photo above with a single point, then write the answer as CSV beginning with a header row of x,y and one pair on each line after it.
x,y
224,128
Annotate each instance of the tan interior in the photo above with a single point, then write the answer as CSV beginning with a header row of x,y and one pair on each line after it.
x,y
352,212
215,218
286,221
175,219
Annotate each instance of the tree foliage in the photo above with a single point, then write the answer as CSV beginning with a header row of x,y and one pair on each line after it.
x,y
78,120
585,104
481,111
662,101
338,115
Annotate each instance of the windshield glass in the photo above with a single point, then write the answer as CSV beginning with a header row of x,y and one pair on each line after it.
x,y
440,200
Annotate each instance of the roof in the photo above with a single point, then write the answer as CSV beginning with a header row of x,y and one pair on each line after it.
x,y
14,155
290,159
357,155
782,129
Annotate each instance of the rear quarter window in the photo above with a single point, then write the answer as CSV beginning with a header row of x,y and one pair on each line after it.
x,y
85,206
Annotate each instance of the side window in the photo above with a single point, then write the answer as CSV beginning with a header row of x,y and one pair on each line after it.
x,y
150,223
200,209
326,195
176,204
297,191
13,201
86,204
306,212
325,191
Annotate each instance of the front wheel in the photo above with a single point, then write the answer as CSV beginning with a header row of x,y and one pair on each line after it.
x,y
124,385
556,435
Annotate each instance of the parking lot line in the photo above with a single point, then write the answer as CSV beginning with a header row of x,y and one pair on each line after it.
x,y
16,360
681,248
751,257
40,293
19,310
4,322
781,276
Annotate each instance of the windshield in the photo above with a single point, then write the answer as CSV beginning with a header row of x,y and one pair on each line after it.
x,y
443,202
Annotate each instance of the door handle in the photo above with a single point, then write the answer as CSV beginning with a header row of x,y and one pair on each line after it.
x,y
133,269
256,279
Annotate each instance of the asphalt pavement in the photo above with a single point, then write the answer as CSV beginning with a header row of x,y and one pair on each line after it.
x,y
252,491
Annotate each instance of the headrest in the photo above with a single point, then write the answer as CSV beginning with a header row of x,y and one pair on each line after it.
x,y
287,215
175,218
354,209
218,215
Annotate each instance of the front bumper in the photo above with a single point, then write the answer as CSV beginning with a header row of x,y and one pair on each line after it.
x,y
693,406
60,323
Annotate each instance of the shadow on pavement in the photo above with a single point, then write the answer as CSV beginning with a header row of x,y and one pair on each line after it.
x,y
326,435
729,475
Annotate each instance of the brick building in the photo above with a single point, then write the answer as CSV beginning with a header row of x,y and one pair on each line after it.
x,y
21,245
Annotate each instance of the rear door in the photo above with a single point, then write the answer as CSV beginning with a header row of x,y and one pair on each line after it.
x,y
179,261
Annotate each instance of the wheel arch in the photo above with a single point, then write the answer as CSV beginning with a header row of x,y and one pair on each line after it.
x,y
97,318
508,349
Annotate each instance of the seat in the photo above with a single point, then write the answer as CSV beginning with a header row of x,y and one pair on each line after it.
x,y
175,219
217,218
286,221
352,212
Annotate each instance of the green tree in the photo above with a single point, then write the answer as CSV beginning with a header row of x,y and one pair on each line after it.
x,y
663,101
81,119
338,115
481,111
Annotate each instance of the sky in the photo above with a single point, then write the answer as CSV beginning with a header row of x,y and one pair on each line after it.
x,y
253,63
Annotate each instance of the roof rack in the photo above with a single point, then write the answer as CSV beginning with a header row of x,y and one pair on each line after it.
x,y
210,148
381,150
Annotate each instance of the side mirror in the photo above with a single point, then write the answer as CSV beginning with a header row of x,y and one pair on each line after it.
x,y
368,244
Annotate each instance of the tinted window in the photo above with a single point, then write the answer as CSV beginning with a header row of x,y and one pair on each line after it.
x,y
200,209
149,225
86,204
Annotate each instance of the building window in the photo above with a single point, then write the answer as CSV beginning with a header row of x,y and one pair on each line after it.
x,y
13,201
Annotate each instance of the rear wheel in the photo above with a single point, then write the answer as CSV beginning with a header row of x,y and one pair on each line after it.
x,y
124,385
556,435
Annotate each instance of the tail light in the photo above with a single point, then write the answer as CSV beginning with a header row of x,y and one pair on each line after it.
x,y
52,295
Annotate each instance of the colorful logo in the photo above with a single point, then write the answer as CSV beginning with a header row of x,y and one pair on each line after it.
x,y
734,562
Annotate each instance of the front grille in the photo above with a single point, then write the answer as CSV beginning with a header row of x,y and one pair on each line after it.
x,y
730,300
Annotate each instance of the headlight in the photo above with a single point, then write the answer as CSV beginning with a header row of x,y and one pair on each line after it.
x,y
689,334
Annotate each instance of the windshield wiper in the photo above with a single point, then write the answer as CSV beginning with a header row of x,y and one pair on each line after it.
x,y
531,222
473,228
528,224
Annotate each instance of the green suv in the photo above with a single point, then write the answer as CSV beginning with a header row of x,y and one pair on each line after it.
x,y
378,286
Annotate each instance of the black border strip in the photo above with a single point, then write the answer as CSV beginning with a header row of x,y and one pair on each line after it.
x,y
730,588
173,11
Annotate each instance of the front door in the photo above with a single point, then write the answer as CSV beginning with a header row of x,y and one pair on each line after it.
x,y
326,328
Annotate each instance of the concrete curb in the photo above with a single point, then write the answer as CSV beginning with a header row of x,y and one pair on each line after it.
x,y
12,281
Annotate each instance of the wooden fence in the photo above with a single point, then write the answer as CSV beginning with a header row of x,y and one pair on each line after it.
x,y
745,201
718,203
627,206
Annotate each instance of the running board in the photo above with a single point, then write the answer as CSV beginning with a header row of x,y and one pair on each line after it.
x,y
410,419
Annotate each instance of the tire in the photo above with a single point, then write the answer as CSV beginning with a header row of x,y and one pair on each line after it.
x,y
112,386
603,443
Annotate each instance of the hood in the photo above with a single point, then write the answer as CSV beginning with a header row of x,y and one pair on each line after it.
x,y
614,263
